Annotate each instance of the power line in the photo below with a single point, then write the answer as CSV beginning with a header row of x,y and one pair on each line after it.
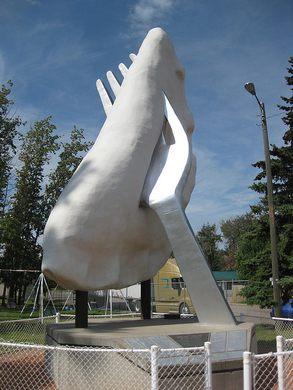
x,y
279,114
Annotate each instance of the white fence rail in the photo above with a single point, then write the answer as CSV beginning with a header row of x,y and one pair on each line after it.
x,y
270,371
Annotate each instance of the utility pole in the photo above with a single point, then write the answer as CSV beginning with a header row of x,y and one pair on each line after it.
x,y
273,235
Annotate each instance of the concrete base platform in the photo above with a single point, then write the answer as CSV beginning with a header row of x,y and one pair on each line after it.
x,y
227,343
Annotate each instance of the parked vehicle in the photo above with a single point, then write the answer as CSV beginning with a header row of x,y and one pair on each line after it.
x,y
169,291
286,309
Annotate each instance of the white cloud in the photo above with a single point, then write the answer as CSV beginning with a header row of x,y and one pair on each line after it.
x,y
46,27
33,2
146,14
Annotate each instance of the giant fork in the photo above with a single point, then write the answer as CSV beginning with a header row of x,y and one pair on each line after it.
x,y
162,192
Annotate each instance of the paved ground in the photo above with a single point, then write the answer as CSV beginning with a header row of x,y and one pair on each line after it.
x,y
251,313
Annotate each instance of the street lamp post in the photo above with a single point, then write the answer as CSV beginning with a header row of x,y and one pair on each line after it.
x,y
273,236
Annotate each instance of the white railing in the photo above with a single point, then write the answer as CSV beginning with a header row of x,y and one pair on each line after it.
x,y
270,371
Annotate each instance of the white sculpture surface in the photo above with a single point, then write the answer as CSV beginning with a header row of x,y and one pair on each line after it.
x,y
122,212
97,235
167,178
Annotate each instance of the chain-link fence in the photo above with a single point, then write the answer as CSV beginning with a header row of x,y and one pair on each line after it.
x,y
26,364
31,330
287,344
284,327
285,364
269,371
25,367
183,368
267,329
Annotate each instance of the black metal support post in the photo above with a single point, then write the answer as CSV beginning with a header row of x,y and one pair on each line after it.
x,y
81,309
146,305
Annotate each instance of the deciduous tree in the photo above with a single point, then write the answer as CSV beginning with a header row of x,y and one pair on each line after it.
x,y
69,159
209,241
232,230
24,222
9,125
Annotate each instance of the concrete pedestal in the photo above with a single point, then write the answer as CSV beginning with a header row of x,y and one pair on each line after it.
x,y
227,343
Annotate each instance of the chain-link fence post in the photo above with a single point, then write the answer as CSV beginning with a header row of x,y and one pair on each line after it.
x,y
57,318
209,371
41,301
247,377
280,362
154,367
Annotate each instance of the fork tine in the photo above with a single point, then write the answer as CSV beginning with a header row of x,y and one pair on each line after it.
x,y
114,84
132,56
104,96
123,69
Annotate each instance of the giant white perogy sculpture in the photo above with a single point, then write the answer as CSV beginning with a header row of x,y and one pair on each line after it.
x,y
122,212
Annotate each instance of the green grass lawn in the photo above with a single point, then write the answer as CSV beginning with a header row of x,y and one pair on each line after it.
x,y
28,332
23,336
265,334
14,314
266,338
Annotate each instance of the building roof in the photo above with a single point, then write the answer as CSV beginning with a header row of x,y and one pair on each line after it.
x,y
225,275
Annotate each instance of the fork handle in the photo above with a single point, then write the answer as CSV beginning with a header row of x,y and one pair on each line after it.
x,y
210,305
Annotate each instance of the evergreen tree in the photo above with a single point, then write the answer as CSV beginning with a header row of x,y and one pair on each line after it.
x,y
209,241
23,224
253,257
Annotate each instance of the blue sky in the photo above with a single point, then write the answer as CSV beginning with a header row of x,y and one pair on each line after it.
x,y
55,50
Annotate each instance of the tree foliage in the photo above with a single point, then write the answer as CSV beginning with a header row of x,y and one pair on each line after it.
x,y
69,159
9,125
232,230
34,192
23,224
253,257
209,241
